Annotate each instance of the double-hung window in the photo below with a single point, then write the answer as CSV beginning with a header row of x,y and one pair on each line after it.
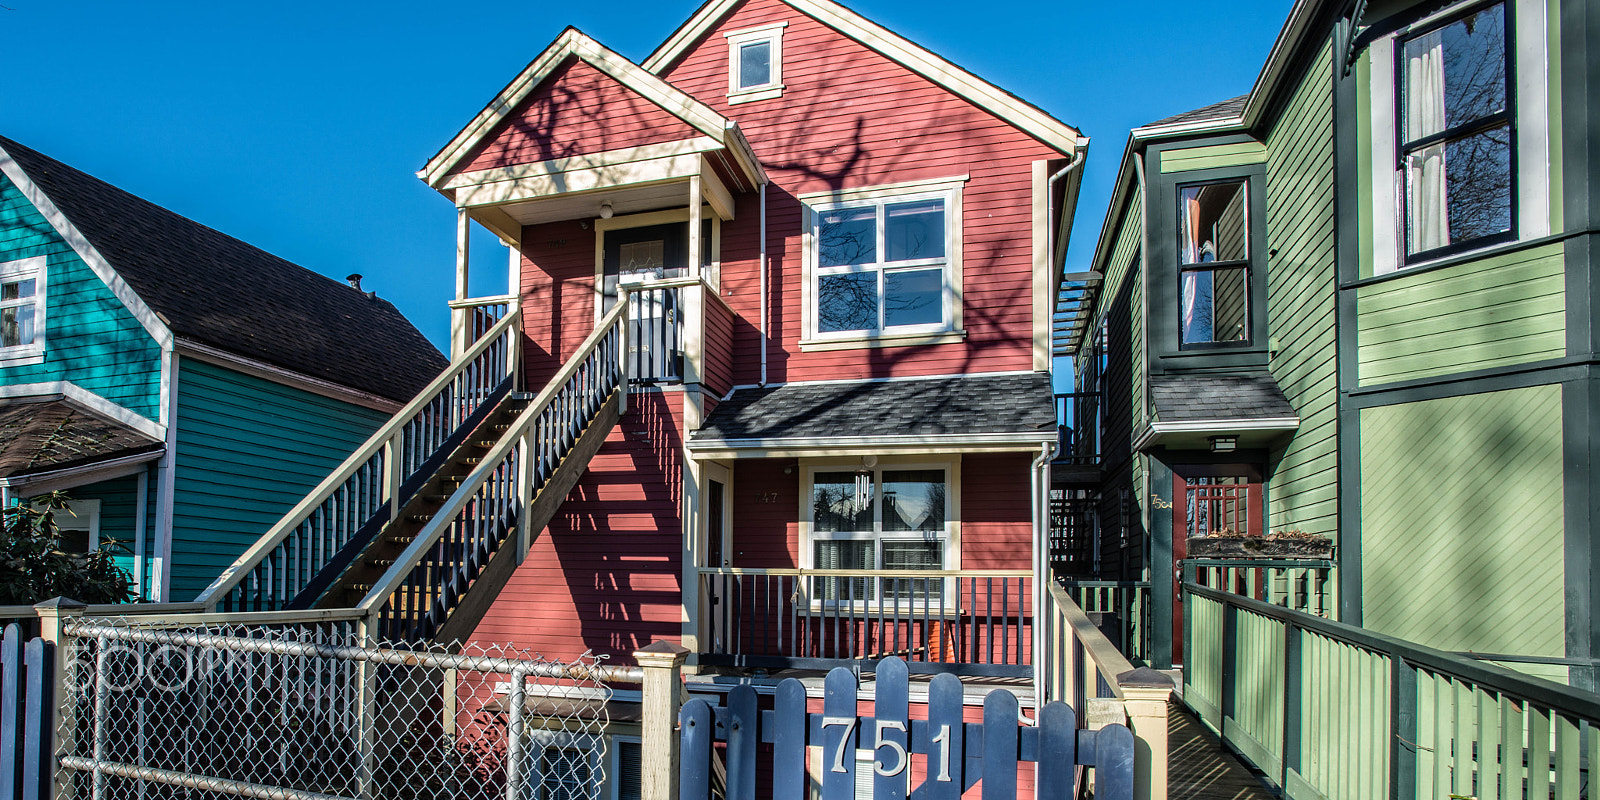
x,y
878,519
1214,263
22,309
1457,139
883,266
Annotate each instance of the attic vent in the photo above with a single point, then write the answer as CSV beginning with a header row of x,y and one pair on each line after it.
x,y
355,281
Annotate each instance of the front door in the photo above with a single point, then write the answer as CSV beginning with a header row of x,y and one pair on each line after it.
x,y
632,255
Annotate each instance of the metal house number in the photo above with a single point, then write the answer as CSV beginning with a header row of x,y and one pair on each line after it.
x,y
902,759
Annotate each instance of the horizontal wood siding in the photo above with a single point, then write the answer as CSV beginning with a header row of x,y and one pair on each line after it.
x,y
996,523
850,117
719,320
119,506
1301,286
605,575
576,111
1506,309
1461,522
1217,155
91,339
558,296
766,513
248,450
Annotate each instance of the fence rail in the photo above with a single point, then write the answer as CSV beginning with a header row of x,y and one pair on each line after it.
x,y
1119,609
972,622
1307,585
348,508
1329,710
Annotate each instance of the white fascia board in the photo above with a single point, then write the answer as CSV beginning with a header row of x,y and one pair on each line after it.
x,y
948,443
89,402
111,469
1021,114
290,378
1216,426
86,251
573,42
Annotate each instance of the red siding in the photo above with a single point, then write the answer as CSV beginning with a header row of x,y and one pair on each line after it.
x,y
850,117
996,524
576,110
718,348
606,574
557,295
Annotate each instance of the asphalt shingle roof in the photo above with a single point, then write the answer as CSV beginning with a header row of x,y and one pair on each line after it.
x,y
1227,109
1011,403
1182,398
216,290
50,434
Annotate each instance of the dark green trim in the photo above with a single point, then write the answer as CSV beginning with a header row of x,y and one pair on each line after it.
x,y
1161,563
1493,379
1580,484
1347,250
1464,258
1580,112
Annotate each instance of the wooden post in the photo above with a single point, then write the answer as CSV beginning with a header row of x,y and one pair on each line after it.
x,y
663,695
1146,693
54,617
459,317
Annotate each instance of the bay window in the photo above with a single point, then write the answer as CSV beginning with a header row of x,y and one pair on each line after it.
x,y
1213,263
892,518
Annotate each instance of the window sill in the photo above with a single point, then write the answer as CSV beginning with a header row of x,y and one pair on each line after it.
x,y
21,358
758,93
882,340
1444,262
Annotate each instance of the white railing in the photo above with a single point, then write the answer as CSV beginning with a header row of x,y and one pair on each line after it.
x,y
427,582
358,498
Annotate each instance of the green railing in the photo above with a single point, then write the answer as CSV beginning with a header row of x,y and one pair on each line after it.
x,y
1307,585
1328,710
1120,609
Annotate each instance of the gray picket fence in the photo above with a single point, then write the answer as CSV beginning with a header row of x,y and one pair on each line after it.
x,y
27,684
956,754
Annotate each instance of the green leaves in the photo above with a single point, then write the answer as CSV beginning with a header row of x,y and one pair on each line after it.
x,y
36,563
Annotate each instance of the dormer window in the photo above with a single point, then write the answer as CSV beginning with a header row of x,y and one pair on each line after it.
x,y
755,63
22,310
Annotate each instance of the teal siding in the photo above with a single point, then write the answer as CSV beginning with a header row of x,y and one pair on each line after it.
x,y
248,450
119,505
91,339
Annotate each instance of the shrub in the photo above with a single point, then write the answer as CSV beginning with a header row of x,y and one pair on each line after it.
x,y
36,566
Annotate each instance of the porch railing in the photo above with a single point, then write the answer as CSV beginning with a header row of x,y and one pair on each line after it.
x,y
1307,585
1119,609
970,622
473,318
1082,667
358,498
1331,710
655,330
1078,428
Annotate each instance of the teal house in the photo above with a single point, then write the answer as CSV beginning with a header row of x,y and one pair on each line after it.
x,y
184,388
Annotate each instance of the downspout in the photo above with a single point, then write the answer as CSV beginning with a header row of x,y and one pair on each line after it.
x,y
763,270
1050,201
1040,475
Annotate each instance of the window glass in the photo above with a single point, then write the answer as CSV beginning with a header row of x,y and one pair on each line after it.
x,y
914,230
1211,223
628,778
913,297
913,500
18,304
878,519
1214,273
847,302
755,64
848,236
1457,134
863,255
842,501
564,774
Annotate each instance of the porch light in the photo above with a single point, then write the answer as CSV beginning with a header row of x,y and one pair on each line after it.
x,y
605,210
1224,444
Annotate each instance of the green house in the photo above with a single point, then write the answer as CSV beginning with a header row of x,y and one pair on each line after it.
x,y
1358,302
183,387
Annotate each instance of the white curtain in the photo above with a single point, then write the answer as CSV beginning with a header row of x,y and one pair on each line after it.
x,y
1190,255
1425,115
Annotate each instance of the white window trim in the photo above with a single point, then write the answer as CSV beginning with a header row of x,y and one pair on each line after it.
x,y
1532,121
540,740
772,33
948,189
33,352
81,515
951,550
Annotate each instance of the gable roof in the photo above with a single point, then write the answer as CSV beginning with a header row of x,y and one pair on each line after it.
x,y
214,290
1026,116
573,43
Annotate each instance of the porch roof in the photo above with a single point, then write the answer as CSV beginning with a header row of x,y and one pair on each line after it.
x,y
50,435
1191,408
1015,410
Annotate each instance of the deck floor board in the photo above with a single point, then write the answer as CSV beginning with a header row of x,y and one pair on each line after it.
x,y
1199,767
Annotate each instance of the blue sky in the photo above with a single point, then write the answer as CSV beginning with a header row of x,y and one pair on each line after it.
x,y
298,127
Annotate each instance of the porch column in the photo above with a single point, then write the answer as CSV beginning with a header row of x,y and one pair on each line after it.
x,y
459,316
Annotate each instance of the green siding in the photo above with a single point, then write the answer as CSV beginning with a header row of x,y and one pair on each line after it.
x,y
91,339
248,450
1217,155
1301,289
1508,309
1122,266
119,504
1461,522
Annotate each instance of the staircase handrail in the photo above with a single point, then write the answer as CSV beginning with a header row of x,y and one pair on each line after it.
x,y
381,438
426,538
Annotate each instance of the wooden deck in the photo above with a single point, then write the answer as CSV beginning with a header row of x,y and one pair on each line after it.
x,y
1199,767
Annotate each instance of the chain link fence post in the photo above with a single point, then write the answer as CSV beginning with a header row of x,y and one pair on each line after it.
x,y
663,695
54,617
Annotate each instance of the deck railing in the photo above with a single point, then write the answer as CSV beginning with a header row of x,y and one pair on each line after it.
x,y
429,580
655,335
971,622
1335,711
1307,585
1078,428
1119,609
1083,668
359,497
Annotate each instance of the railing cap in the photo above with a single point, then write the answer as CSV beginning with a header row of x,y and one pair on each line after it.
x,y
1145,678
61,604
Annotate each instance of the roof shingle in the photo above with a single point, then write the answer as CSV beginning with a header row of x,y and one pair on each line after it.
x,y
1227,109
1182,398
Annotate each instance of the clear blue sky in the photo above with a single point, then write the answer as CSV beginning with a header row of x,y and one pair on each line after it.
x,y
298,126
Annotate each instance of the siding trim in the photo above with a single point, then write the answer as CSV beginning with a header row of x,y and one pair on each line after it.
x,y
43,482
303,382
161,571
86,251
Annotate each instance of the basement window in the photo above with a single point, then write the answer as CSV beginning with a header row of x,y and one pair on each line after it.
x,y
755,63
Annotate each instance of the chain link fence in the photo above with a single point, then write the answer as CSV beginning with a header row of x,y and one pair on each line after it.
x,y
314,712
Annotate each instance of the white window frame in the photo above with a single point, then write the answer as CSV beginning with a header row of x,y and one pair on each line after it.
x,y
771,33
32,352
81,515
815,204
541,740
950,539
1531,120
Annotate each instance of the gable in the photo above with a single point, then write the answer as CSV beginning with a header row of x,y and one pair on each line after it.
x,y
92,340
578,110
